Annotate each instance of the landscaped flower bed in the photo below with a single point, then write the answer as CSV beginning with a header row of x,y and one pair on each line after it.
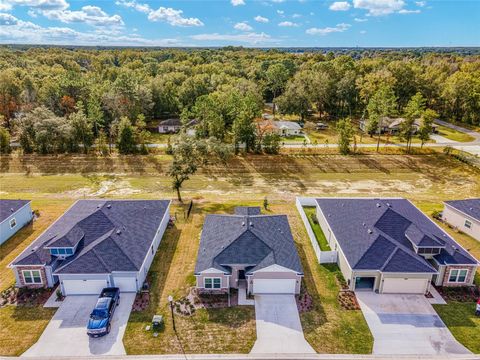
x,y
304,302
460,294
24,297
142,300
348,300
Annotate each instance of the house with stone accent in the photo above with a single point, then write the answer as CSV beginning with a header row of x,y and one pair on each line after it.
x,y
388,245
93,245
248,251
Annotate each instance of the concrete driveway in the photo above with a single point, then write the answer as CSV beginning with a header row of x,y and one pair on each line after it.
x,y
65,334
278,326
406,325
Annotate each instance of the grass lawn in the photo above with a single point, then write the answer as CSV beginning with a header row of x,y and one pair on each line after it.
x,y
461,321
454,134
317,230
293,139
157,138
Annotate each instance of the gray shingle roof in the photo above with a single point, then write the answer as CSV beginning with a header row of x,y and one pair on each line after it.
x,y
112,235
471,207
258,241
374,234
170,122
247,210
9,207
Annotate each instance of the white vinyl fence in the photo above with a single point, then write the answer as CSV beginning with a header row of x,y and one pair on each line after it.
x,y
322,256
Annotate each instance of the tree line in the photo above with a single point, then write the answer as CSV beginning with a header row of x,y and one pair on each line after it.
x,y
72,100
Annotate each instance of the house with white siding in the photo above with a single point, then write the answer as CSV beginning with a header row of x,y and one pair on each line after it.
x,y
14,215
463,215
95,244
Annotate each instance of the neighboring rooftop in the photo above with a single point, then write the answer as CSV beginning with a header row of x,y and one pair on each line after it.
x,y
380,234
110,235
170,122
292,125
470,207
9,207
256,240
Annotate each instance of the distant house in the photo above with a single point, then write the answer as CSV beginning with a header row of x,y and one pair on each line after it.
x,y
249,251
169,126
14,215
95,244
389,246
392,126
282,128
190,127
464,215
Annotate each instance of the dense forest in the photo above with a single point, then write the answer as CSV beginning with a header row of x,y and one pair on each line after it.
x,y
66,100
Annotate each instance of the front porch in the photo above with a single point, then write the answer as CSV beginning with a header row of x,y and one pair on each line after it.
x,y
242,294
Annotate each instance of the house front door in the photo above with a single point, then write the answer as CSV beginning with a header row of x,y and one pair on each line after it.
x,y
241,274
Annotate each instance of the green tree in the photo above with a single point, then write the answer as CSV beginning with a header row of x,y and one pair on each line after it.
x,y
271,143
381,104
4,141
277,76
82,129
101,143
126,137
345,133
413,112
425,128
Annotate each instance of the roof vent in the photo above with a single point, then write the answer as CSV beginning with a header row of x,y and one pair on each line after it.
x,y
109,206
370,231
388,204
378,205
11,209
119,232
364,224
251,224
243,223
342,204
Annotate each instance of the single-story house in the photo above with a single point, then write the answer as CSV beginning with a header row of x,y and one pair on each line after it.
x,y
95,244
282,128
248,249
464,215
390,246
392,125
14,215
190,127
169,126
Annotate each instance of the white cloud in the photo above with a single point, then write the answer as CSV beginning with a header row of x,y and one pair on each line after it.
x,y
145,8
379,7
340,6
38,4
261,19
5,6
280,12
327,30
32,13
278,1
363,32
287,24
405,11
169,15
91,15
7,19
360,20
237,2
421,3
29,33
296,16
249,38
243,26
173,17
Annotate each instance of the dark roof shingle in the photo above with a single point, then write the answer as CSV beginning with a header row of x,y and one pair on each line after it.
x,y
471,207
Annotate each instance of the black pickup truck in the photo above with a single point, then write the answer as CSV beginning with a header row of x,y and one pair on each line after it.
x,y
102,314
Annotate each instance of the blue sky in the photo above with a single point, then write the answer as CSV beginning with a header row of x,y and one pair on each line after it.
x,y
275,23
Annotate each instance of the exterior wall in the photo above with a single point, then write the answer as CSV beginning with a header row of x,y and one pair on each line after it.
x,y
470,276
275,275
22,217
142,274
224,285
168,129
332,241
21,281
457,219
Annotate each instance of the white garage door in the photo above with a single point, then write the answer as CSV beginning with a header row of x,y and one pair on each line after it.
x,y
405,286
84,287
126,284
274,286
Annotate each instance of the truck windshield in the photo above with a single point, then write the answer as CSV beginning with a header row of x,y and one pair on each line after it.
x,y
98,314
